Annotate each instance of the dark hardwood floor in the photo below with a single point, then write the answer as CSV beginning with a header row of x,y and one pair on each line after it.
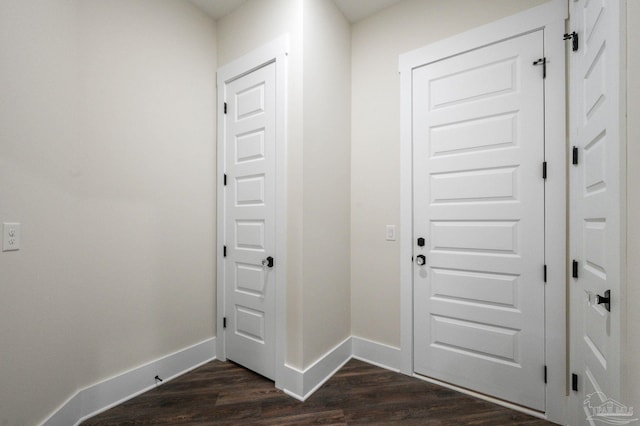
x,y
224,393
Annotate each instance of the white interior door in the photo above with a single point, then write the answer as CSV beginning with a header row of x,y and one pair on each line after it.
x,y
250,205
595,214
478,152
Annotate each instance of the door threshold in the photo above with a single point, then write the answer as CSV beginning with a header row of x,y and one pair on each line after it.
x,y
484,397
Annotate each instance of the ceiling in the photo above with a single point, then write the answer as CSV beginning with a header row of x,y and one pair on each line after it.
x,y
354,10
217,8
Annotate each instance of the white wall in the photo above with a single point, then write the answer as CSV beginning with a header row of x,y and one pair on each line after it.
x,y
107,120
631,377
326,193
375,156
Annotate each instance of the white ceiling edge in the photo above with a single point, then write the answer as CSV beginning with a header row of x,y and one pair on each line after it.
x,y
353,10
217,8
356,10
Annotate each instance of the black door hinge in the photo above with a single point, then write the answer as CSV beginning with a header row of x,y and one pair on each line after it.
x,y
225,107
224,322
545,273
574,155
545,374
544,170
574,382
224,251
574,269
574,40
543,62
224,180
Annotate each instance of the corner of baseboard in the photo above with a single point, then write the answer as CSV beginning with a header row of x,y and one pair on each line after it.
x,y
301,384
325,367
292,382
375,353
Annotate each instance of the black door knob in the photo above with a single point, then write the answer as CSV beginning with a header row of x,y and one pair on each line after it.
x,y
605,300
268,262
421,260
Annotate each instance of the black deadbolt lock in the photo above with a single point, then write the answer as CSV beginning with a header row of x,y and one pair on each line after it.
x,y
420,242
268,262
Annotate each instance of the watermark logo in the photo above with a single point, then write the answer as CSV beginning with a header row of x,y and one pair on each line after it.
x,y
607,410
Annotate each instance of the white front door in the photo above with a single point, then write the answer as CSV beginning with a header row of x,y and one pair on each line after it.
x,y
250,205
479,226
596,252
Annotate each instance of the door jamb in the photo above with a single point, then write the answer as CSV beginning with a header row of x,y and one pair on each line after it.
x,y
551,18
276,52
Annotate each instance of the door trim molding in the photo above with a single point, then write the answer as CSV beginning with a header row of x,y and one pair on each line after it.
x,y
276,52
550,17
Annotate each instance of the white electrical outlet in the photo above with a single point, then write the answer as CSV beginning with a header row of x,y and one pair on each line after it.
x,y
11,236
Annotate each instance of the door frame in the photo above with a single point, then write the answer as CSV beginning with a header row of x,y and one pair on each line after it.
x,y
276,52
550,17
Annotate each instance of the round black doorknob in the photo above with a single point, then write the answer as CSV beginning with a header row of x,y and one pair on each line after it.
x,y
421,260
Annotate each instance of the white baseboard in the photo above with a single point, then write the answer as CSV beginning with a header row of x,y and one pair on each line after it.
x,y
324,368
292,382
301,384
113,391
375,353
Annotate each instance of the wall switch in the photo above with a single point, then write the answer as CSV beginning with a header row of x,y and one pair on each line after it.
x,y
391,232
11,236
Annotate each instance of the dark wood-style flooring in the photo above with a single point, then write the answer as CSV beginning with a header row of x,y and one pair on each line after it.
x,y
222,393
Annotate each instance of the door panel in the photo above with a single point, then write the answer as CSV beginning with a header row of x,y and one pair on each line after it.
x,y
478,135
595,210
250,220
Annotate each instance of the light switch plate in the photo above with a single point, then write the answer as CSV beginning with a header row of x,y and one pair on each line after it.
x,y
391,232
11,236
